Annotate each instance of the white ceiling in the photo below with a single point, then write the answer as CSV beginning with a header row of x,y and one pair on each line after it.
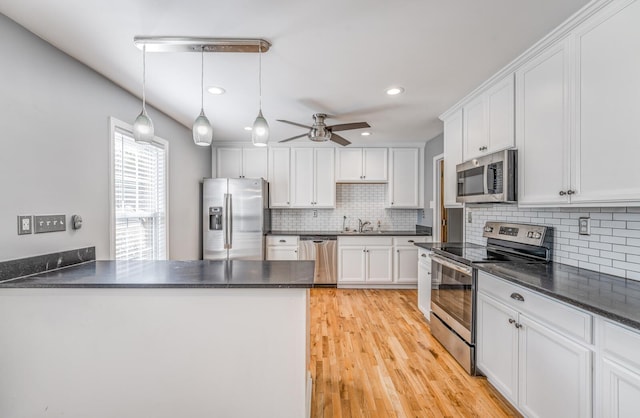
x,y
333,56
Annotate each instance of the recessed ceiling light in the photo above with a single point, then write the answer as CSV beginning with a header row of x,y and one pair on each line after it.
x,y
216,90
394,90
248,128
365,133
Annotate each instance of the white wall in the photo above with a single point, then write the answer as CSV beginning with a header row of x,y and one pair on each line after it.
x,y
434,146
54,150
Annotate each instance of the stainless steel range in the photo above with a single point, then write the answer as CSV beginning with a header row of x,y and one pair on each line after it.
x,y
454,278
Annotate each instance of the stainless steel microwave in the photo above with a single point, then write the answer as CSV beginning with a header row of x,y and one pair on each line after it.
x,y
488,179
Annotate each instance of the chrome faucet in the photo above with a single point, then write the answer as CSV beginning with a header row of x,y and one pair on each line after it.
x,y
362,225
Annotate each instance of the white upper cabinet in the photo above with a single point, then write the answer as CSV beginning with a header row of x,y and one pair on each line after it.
x,y
254,163
241,163
452,157
544,126
475,128
312,178
356,165
488,120
607,143
229,163
404,178
279,173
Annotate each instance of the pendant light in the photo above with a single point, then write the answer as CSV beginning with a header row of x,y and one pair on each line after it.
x,y
260,131
143,126
202,130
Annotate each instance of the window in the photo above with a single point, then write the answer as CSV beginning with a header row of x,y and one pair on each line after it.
x,y
139,196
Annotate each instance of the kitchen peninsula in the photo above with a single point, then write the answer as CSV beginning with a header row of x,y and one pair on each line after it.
x,y
157,338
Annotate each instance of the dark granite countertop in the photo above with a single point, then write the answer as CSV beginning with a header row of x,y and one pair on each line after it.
x,y
411,233
173,274
609,296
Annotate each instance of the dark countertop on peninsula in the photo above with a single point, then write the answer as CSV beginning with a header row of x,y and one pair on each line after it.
x,y
173,274
612,297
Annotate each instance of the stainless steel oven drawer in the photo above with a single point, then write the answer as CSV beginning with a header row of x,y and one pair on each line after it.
x,y
454,344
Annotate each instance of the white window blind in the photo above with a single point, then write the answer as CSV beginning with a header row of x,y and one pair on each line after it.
x,y
140,198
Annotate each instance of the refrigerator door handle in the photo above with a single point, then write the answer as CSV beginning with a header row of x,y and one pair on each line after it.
x,y
230,220
226,221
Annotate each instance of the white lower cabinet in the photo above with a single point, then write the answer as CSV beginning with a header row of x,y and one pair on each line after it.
x,y
377,260
362,264
618,388
537,367
282,247
554,373
424,282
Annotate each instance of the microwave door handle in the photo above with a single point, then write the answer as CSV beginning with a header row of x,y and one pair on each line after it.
x,y
485,178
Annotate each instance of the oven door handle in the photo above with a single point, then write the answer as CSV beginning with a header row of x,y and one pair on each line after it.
x,y
451,264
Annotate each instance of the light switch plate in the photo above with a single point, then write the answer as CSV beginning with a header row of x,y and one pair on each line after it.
x,y
584,226
49,223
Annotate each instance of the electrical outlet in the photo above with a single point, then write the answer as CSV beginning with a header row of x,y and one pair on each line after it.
x,y
25,225
469,218
49,223
584,226
315,213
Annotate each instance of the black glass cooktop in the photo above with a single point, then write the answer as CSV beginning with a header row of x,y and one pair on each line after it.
x,y
472,253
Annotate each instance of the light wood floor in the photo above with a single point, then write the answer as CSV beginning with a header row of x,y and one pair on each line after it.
x,y
372,355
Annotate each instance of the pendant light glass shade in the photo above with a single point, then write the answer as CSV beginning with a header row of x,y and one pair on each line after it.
x,y
143,126
260,131
202,130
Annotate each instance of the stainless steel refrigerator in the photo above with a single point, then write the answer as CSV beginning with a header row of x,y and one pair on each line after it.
x,y
235,218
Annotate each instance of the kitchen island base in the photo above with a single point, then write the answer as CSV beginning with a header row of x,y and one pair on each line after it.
x,y
154,352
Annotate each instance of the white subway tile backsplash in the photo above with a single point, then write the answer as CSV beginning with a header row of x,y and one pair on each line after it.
x,y
355,201
613,246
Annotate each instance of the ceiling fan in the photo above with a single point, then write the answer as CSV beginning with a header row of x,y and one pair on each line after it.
x,y
320,132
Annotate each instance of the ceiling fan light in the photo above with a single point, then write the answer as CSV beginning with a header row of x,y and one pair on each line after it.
x,y
143,130
319,134
202,130
260,131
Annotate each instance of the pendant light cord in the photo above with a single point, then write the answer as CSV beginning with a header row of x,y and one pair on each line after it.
x,y
144,75
260,74
202,78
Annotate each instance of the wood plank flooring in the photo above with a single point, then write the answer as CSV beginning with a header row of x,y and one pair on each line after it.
x,y
372,355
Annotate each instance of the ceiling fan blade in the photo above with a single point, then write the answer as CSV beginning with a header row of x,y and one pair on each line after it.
x,y
294,123
339,140
348,126
292,138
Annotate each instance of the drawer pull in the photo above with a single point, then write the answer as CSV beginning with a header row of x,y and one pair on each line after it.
x,y
423,255
283,240
411,241
517,296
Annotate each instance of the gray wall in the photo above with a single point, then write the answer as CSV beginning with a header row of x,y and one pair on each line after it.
x,y
435,146
54,150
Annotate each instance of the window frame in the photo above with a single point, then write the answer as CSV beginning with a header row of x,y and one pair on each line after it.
x,y
114,125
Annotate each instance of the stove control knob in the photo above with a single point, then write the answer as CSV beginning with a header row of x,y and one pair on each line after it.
x,y
537,235
488,229
530,234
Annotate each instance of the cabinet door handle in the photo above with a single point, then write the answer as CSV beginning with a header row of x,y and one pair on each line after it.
x,y
287,203
518,325
562,193
517,296
423,255
512,321
570,192
392,203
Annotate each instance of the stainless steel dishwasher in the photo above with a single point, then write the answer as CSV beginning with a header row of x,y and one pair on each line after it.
x,y
323,250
